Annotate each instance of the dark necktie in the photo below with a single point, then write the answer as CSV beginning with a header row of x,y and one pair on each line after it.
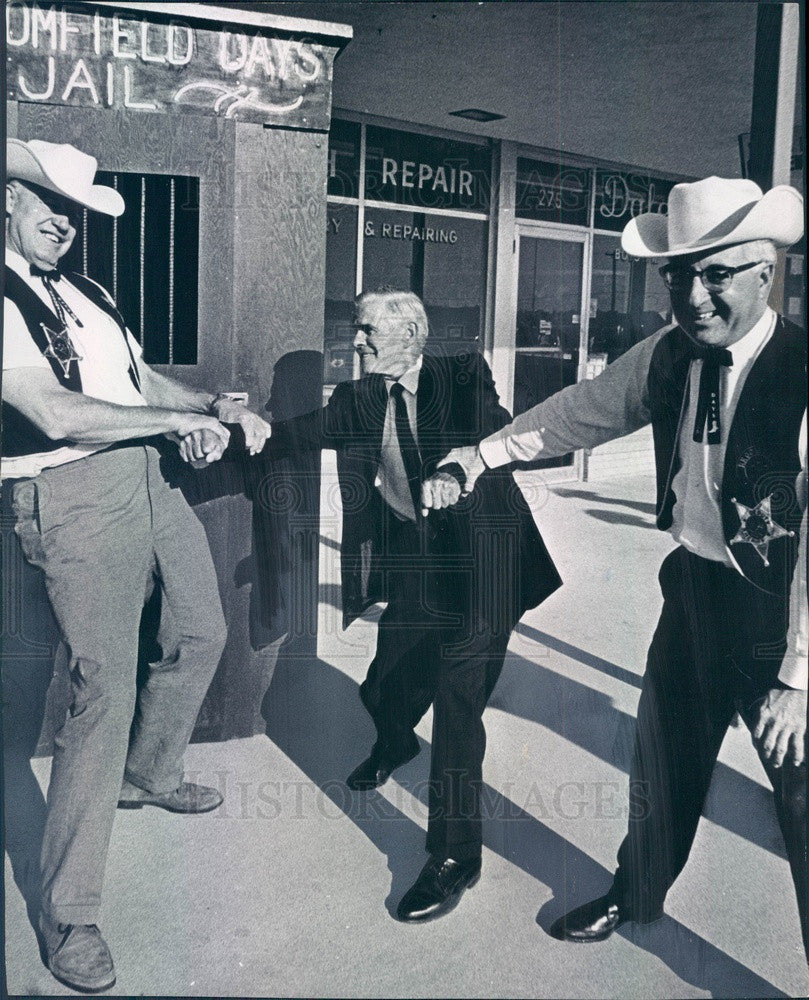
x,y
407,445
708,403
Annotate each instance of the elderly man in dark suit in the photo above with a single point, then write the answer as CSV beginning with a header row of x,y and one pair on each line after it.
x,y
456,582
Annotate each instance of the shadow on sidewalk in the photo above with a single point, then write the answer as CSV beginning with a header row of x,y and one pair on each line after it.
x,y
615,517
639,505
589,719
314,715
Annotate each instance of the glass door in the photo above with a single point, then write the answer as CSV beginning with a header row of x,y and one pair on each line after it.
x,y
550,327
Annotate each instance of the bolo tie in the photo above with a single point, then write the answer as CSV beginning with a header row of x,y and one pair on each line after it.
x,y
713,358
60,346
61,308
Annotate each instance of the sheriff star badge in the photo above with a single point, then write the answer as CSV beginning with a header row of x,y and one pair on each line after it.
x,y
757,527
60,348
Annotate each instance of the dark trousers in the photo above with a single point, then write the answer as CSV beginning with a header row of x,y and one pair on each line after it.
x,y
717,649
431,649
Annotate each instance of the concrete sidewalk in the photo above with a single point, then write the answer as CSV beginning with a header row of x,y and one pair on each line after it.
x,y
288,889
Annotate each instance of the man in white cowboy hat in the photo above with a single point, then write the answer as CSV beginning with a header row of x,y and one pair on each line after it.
x,y
724,389
94,513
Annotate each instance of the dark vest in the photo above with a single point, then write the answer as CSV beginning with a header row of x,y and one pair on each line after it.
x,y
20,436
761,459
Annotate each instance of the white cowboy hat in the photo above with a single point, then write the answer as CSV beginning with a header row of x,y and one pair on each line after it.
x,y
716,212
64,169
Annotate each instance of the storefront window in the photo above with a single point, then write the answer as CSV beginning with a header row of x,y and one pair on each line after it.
x,y
628,300
442,259
344,160
621,195
423,171
552,192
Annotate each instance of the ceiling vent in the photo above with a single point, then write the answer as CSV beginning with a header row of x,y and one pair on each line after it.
x,y
477,115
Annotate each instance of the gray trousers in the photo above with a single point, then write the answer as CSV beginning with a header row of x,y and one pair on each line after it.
x,y
102,529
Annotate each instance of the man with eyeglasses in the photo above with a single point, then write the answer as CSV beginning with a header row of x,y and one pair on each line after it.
x,y
724,389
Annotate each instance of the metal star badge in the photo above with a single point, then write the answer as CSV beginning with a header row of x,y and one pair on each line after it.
x,y
757,527
60,348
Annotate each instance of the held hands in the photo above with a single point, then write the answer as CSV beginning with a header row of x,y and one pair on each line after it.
x,y
200,448
256,430
440,490
200,438
443,489
780,731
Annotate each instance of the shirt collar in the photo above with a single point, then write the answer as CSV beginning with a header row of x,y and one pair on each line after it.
x,y
744,349
18,264
410,380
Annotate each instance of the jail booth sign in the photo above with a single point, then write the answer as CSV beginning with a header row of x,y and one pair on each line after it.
x,y
212,123
117,59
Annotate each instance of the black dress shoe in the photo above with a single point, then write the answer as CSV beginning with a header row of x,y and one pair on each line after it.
x,y
594,921
438,889
376,770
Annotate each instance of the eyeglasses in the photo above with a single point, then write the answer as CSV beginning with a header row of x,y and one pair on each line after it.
x,y
716,278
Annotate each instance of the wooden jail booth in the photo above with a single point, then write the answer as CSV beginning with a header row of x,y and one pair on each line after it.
x,y
213,124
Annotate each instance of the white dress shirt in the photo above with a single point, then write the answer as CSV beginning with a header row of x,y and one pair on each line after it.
x,y
697,486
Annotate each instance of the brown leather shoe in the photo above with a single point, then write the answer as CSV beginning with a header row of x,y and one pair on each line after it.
x,y
77,955
188,798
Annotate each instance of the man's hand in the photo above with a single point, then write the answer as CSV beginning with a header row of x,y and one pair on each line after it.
x,y
201,439
200,448
780,730
256,430
470,461
440,490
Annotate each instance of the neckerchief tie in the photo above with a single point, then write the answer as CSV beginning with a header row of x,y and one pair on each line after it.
x,y
407,445
708,403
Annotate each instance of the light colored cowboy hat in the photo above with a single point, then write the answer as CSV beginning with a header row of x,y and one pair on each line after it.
x,y
63,169
716,212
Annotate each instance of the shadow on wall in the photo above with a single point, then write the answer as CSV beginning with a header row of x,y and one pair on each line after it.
x,y
262,519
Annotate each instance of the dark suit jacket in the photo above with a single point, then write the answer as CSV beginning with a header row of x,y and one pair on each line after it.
x,y
484,555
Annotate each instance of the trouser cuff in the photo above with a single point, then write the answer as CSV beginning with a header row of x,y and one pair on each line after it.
x,y
153,787
78,913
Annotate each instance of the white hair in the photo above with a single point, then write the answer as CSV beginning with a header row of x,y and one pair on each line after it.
x,y
404,304
764,249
